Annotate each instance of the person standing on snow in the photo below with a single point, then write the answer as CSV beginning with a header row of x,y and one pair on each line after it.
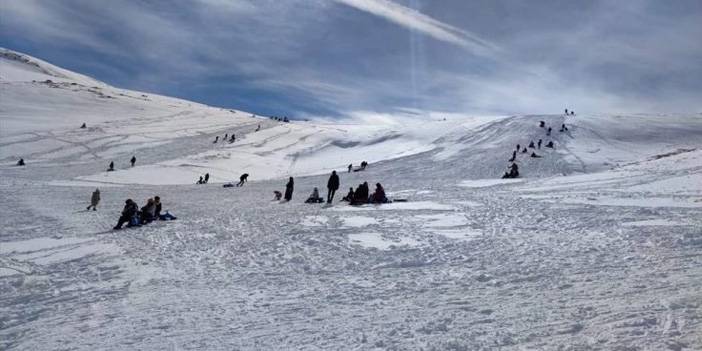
x,y
94,200
207,177
112,166
289,189
133,160
350,167
332,186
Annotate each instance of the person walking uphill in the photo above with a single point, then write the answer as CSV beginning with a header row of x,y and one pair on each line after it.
x,y
289,189
94,200
332,186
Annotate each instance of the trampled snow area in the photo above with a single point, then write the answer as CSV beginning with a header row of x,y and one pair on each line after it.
x,y
597,246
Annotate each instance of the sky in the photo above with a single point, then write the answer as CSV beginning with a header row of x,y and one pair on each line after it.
x,y
311,58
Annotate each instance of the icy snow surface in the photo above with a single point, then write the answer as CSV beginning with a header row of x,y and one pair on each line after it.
x,y
598,246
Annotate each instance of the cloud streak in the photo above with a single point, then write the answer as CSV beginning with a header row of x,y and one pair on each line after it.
x,y
415,20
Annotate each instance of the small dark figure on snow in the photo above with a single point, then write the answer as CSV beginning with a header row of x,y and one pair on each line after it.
x,y
112,167
531,144
133,160
550,144
94,200
207,178
542,124
128,213
232,139
350,196
518,147
277,195
563,128
201,181
314,197
566,112
350,167
258,128
225,136
378,196
548,132
364,164
332,186
20,162
216,139
83,126
572,113
514,156
524,151
534,155
512,173
289,187
539,144
243,179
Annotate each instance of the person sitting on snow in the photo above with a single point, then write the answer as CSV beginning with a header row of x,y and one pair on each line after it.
x,y
20,162
129,211
378,196
148,211
524,151
550,144
314,197
349,196
201,181
157,211
361,194
534,155
277,195
531,144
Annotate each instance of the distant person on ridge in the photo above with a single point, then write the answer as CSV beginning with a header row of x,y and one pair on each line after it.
x,y
332,186
94,200
207,178
133,160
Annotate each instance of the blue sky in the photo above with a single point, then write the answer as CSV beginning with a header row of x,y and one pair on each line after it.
x,y
303,58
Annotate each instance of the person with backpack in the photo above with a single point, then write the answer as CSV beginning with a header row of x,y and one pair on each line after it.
x,y
289,187
128,213
133,160
94,200
332,186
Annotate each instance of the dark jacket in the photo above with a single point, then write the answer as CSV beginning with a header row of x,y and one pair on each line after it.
x,y
289,189
333,183
129,210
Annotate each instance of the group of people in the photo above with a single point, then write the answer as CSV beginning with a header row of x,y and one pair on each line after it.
x,y
363,166
111,166
354,197
204,180
513,169
133,216
360,196
280,119
572,113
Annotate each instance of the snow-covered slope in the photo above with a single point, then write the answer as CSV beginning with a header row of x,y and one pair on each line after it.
x,y
596,246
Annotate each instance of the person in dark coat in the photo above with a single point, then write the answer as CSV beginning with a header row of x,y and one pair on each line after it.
x,y
534,155
133,160
514,156
289,189
148,212
364,164
216,139
129,211
378,196
94,200
361,194
350,167
524,151
531,144
201,181
332,186
548,132
518,147
350,196
158,207
542,124
112,166
243,179
83,126
20,162
550,144
207,177
539,144
225,136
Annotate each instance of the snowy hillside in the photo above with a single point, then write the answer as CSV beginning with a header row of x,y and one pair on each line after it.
x,y
595,246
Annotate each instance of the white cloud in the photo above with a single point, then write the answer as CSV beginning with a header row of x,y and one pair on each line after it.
x,y
418,21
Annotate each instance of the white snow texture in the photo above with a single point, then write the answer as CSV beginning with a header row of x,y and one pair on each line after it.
x,y
598,245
